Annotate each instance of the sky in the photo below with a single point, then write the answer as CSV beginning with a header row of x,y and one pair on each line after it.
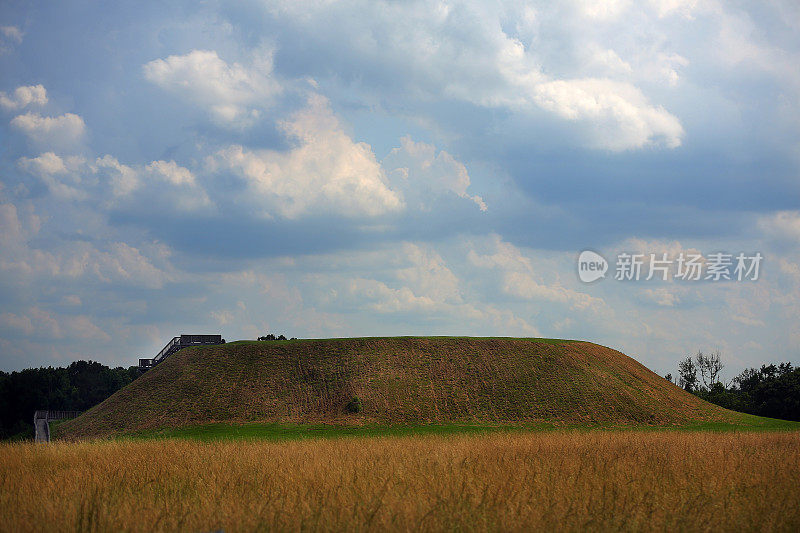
x,y
369,168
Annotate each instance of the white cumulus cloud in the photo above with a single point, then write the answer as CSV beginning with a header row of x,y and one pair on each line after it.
x,y
62,131
122,179
61,175
326,173
519,279
661,296
233,94
558,57
12,33
172,172
10,36
619,114
23,97
187,194
425,173
783,225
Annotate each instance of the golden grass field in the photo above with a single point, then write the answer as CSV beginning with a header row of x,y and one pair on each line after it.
x,y
595,480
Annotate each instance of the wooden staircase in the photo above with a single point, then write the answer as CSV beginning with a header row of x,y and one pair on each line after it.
x,y
41,422
179,343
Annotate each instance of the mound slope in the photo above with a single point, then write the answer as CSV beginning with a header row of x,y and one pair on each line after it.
x,y
398,380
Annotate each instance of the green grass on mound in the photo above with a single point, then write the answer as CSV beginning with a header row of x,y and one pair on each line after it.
x,y
455,382
281,432
286,432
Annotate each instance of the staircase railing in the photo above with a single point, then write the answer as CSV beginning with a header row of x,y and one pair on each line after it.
x,y
55,415
166,349
177,343
41,422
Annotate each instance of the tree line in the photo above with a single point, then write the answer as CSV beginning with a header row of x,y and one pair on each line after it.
x,y
77,387
772,390
273,337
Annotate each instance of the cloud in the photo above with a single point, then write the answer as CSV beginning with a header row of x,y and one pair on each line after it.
x,y
517,57
47,163
186,193
17,227
396,288
19,323
12,33
122,178
417,281
611,10
656,248
606,60
264,301
23,97
43,323
603,9
524,285
619,116
10,36
748,321
661,296
125,263
115,263
667,65
784,225
223,317
63,131
378,296
233,94
72,300
112,183
172,173
327,173
685,8
518,277
424,174
428,274
61,175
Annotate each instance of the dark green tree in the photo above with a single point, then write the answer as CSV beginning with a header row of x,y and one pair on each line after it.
x,y
77,387
687,374
710,367
772,391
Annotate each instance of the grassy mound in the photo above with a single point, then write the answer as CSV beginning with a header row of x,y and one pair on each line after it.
x,y
400,380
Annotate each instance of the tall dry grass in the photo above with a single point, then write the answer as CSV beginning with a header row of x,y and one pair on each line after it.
x,y
563,481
